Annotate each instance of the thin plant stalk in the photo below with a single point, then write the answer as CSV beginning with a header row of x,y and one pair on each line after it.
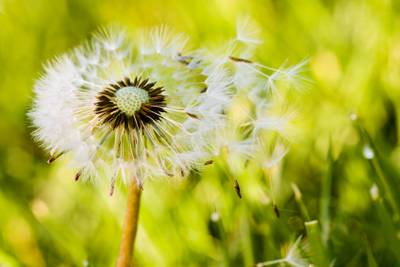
x,y
130,226
299,199
320,257
326,188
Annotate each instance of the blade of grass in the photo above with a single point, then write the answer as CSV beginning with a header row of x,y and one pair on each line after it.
x,y
326,187
299,199
388,229
319,253
375,162
370,256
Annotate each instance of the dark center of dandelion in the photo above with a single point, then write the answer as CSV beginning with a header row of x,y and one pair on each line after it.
x,y
132,105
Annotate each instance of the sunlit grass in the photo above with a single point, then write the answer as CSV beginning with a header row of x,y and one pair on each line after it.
x,y
341,200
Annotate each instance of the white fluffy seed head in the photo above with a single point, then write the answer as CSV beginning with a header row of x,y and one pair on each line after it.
x,y
133,110
123,111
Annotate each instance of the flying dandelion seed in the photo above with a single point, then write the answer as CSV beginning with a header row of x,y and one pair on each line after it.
x,y
293,257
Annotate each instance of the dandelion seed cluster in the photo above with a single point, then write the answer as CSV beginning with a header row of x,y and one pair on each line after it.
x,y
137,108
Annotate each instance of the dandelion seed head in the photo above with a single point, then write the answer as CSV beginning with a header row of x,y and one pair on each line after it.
x,y
123,108
136,108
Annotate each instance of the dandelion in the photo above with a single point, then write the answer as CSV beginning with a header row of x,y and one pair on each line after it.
x,y
128,110
137,108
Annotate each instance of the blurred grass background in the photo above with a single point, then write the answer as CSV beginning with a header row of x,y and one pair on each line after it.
x,y
343,173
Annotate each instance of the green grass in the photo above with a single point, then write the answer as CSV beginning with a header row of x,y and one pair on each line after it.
x,y
322,188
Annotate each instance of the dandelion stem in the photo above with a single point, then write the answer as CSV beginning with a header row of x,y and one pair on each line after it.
x,y
130,226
